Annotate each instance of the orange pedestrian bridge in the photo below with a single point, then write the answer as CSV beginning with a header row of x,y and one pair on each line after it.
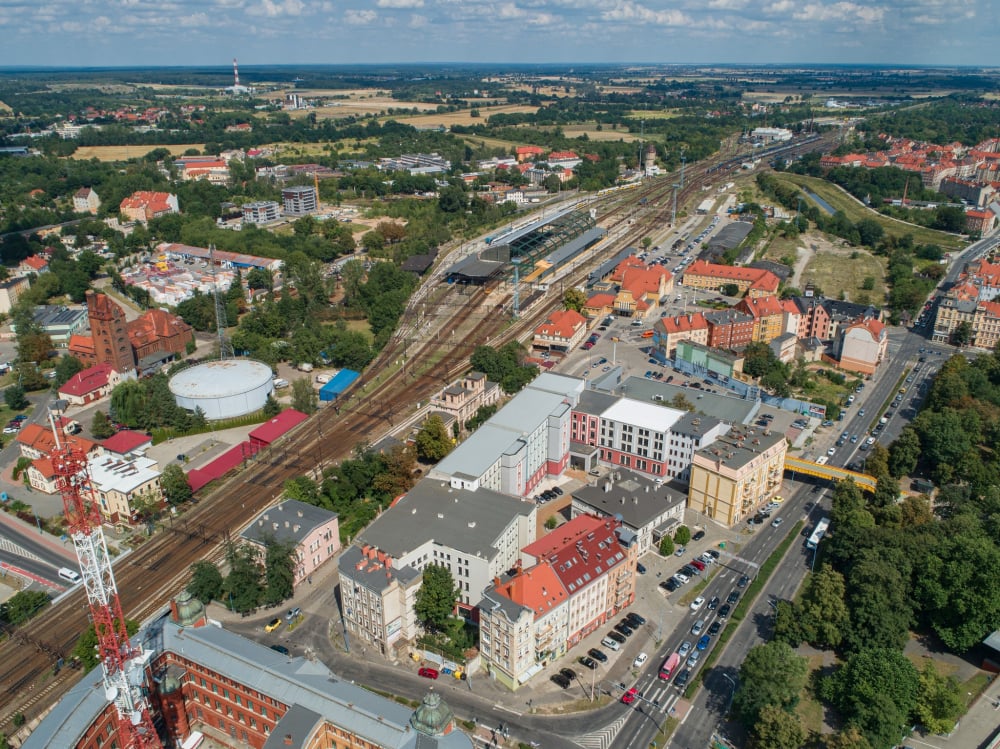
x,y
830,473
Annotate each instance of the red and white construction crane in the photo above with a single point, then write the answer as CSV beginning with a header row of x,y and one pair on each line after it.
x,y
122,665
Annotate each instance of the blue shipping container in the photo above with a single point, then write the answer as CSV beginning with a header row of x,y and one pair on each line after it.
x,y
343,380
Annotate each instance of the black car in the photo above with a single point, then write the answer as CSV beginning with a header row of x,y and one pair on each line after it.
x,y
682,678
733,597
617,637
712,553
561,680
588,662
568,673
742,582
549,495
690,571
713,604
557,491
597,655
698,536
280,649
634,619
724,610
714,629
624,629
670,585
640,568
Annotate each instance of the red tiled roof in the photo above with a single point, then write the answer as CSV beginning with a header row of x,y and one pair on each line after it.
x,y
153,325
873,326
601,300
758,278
580,551
40,438
562,155
151,202
126,441
537,588
281,424
33,261
764,306
683,323
561,324
83,344
88,380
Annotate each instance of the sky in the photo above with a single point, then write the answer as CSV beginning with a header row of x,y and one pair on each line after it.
x,y
84,33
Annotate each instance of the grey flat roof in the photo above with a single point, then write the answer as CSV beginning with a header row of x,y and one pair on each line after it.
x,y
294,519
727,408
637,499
503,432
575,245
307,685
595,403
736,454
694,425
296,724
373,578
469,522
48,315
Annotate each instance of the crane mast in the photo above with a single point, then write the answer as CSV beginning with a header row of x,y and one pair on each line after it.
x,y
122,665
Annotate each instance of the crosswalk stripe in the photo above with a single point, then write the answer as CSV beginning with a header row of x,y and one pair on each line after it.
x,y
11,548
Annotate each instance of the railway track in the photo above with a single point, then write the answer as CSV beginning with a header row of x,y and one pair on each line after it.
x,y
158,569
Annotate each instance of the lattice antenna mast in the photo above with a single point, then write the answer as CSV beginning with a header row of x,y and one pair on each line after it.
x,y
122,666
236,75
220,309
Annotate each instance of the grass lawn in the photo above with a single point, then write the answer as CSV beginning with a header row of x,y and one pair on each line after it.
x,y
361,326
809,710
836,272
607,134
842,201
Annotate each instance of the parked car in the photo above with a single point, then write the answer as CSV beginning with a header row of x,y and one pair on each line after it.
x,y
682,578
617,637
698,536
428,673
588,662
680,551
630,696
598,655
724,610
273,625
635,619
557,491
640,568
697,564
713,553
697,603
280,649
684,649
714,628
670,585
639,660
703,642
698,627
568,673
733,597
624,629
560,680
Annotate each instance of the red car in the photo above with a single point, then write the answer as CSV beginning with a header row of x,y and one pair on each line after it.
x,y
629,697
697,564
428,673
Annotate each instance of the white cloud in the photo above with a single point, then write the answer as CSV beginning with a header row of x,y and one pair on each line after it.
x,y
727,4
417,21
400,3
277,8
626,10
360,17
193,20
841,11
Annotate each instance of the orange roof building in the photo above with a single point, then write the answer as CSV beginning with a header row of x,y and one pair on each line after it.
x,y
768,317
562,331
36,441
750,281
145,205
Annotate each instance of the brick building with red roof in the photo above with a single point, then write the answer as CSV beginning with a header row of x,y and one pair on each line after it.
x,y
144,205
563,330
90,384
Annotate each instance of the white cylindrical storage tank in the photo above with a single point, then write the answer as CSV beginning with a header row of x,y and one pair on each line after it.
x,y
223,389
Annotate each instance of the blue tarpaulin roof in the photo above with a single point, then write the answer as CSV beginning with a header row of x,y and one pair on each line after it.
x,y
341,381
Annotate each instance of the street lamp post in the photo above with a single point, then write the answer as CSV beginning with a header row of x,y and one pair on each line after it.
x,y
732,693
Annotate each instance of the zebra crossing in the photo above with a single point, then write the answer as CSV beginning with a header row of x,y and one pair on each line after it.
x,y
12,548
603,738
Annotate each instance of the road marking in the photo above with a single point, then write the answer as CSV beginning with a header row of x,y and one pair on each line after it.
x,y
12,548
507,710
602,738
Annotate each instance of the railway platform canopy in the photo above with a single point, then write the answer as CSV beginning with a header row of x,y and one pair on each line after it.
x,y
476,271
831,473
545,237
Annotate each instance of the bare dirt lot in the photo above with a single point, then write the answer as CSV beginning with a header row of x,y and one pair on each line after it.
x,y
124,153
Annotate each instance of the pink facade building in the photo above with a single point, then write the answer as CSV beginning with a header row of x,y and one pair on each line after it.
x,y
314,531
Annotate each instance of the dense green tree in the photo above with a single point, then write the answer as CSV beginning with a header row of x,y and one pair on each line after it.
x,y
904,453
682,535
279,571
939,701
846,738
206,582
14,397
878,598
432,440
175,486
244,587
304,397
777,729
66,367
23,605
574,299
666,546
100,426
771,675
436,598
33,343
823,612
86,645
271,407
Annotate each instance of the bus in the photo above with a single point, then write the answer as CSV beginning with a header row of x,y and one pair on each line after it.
x,y
669,666
818,534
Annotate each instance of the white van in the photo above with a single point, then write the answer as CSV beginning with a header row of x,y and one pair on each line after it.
x,y
609,643
280,383
322,379
69,575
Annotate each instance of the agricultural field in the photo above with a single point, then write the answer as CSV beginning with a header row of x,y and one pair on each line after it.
x,y
124,153
462,117
607,134
839,200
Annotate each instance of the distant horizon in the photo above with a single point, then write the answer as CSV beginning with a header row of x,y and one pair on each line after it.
x,y
61,34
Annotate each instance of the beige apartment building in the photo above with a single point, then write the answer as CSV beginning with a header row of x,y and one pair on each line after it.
x,y
736,475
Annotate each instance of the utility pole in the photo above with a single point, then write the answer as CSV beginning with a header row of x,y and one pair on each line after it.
x,y
673,210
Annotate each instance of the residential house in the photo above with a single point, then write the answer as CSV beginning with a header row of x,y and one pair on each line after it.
x,y
647,508
528,153
124,486
145,205
312,532
729,329
768,316
861,347
32,264
463,398
477,535
10,291
563,330
737,475
980,222
668,331
86,200
261,212
751,281
90,384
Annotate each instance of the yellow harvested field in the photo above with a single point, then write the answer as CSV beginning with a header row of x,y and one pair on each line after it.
x,y
124,153
463,117
607,134
655,114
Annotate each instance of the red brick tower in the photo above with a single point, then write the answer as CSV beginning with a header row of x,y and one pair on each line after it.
x,y
108,328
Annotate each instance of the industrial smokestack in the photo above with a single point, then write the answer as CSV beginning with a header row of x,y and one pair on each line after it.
x,y
236,74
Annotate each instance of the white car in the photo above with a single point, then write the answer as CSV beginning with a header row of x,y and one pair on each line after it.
x,y
684,579
831,451
697,603
685,648
639,660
